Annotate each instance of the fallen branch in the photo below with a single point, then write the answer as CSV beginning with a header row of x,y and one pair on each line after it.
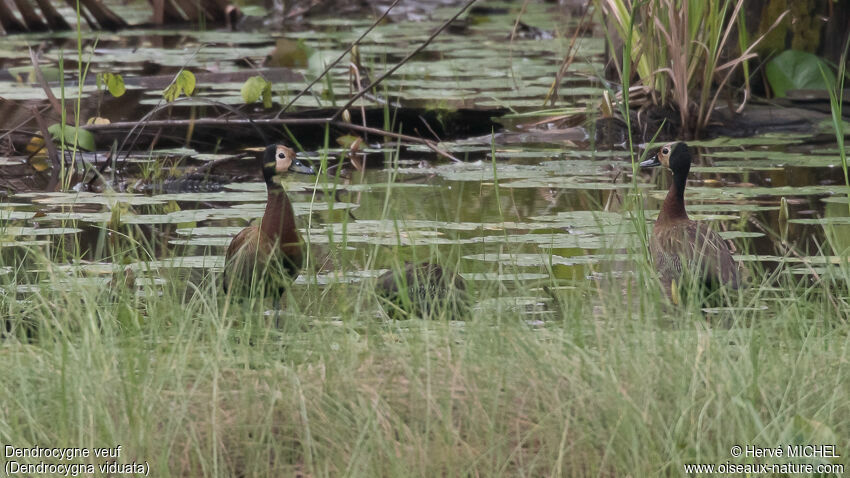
x,y
265,121
119,125
427,142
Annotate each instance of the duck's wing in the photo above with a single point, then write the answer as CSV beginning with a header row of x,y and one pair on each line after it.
x,y
699,247
712,255
667,248
240,257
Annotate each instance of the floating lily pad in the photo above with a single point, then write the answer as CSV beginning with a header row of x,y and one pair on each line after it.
x,y
189,262
11,231
208,231
794,260
203,241
822,220
739,234
726,207
498,277
339,277
69,199
544,260
768,139
7,215
7,242
569,182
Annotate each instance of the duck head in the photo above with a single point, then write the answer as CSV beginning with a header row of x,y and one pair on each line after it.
x,y
279,159
674,156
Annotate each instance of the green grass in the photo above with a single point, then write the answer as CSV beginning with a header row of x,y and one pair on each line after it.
x,y
615,383
836,100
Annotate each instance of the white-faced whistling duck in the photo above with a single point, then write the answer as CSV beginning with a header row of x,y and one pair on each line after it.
x,y
270,253
423,290
679,244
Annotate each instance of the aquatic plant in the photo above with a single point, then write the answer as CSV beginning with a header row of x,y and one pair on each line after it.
x,y
836,100
679,49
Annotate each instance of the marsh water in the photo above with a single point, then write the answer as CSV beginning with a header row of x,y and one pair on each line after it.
x,y
525,203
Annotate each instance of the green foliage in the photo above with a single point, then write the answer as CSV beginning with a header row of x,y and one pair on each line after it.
x,y
298,54
26,74
114,83
836,101
72,135
256,87
184,83
254,11
797,70
289,53
679,51
318,60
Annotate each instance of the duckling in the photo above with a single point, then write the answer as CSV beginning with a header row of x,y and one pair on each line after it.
x,y
678,243
270,252
424,289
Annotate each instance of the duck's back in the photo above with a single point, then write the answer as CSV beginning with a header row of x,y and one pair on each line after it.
x,y
683,244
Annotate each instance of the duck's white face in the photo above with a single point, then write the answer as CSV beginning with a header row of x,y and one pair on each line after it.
x,y
664,154
283,158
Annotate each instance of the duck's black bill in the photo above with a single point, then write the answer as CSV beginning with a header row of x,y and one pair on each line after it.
x,y
651,162
298,166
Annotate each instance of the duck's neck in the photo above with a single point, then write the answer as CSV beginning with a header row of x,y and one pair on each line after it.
x,y
674,204
279,218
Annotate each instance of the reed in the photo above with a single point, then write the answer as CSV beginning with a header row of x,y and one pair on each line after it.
x,y
836,100
679,49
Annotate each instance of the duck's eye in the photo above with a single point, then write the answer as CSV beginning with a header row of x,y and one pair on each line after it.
x,y
281,155
665,151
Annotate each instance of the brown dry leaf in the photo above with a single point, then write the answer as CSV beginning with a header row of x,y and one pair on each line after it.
x,y
35,144
39,163
98,120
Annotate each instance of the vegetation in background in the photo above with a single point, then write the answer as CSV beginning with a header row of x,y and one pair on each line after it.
x,y
184,83
836,102
114,83
680,51
798,70
256,88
